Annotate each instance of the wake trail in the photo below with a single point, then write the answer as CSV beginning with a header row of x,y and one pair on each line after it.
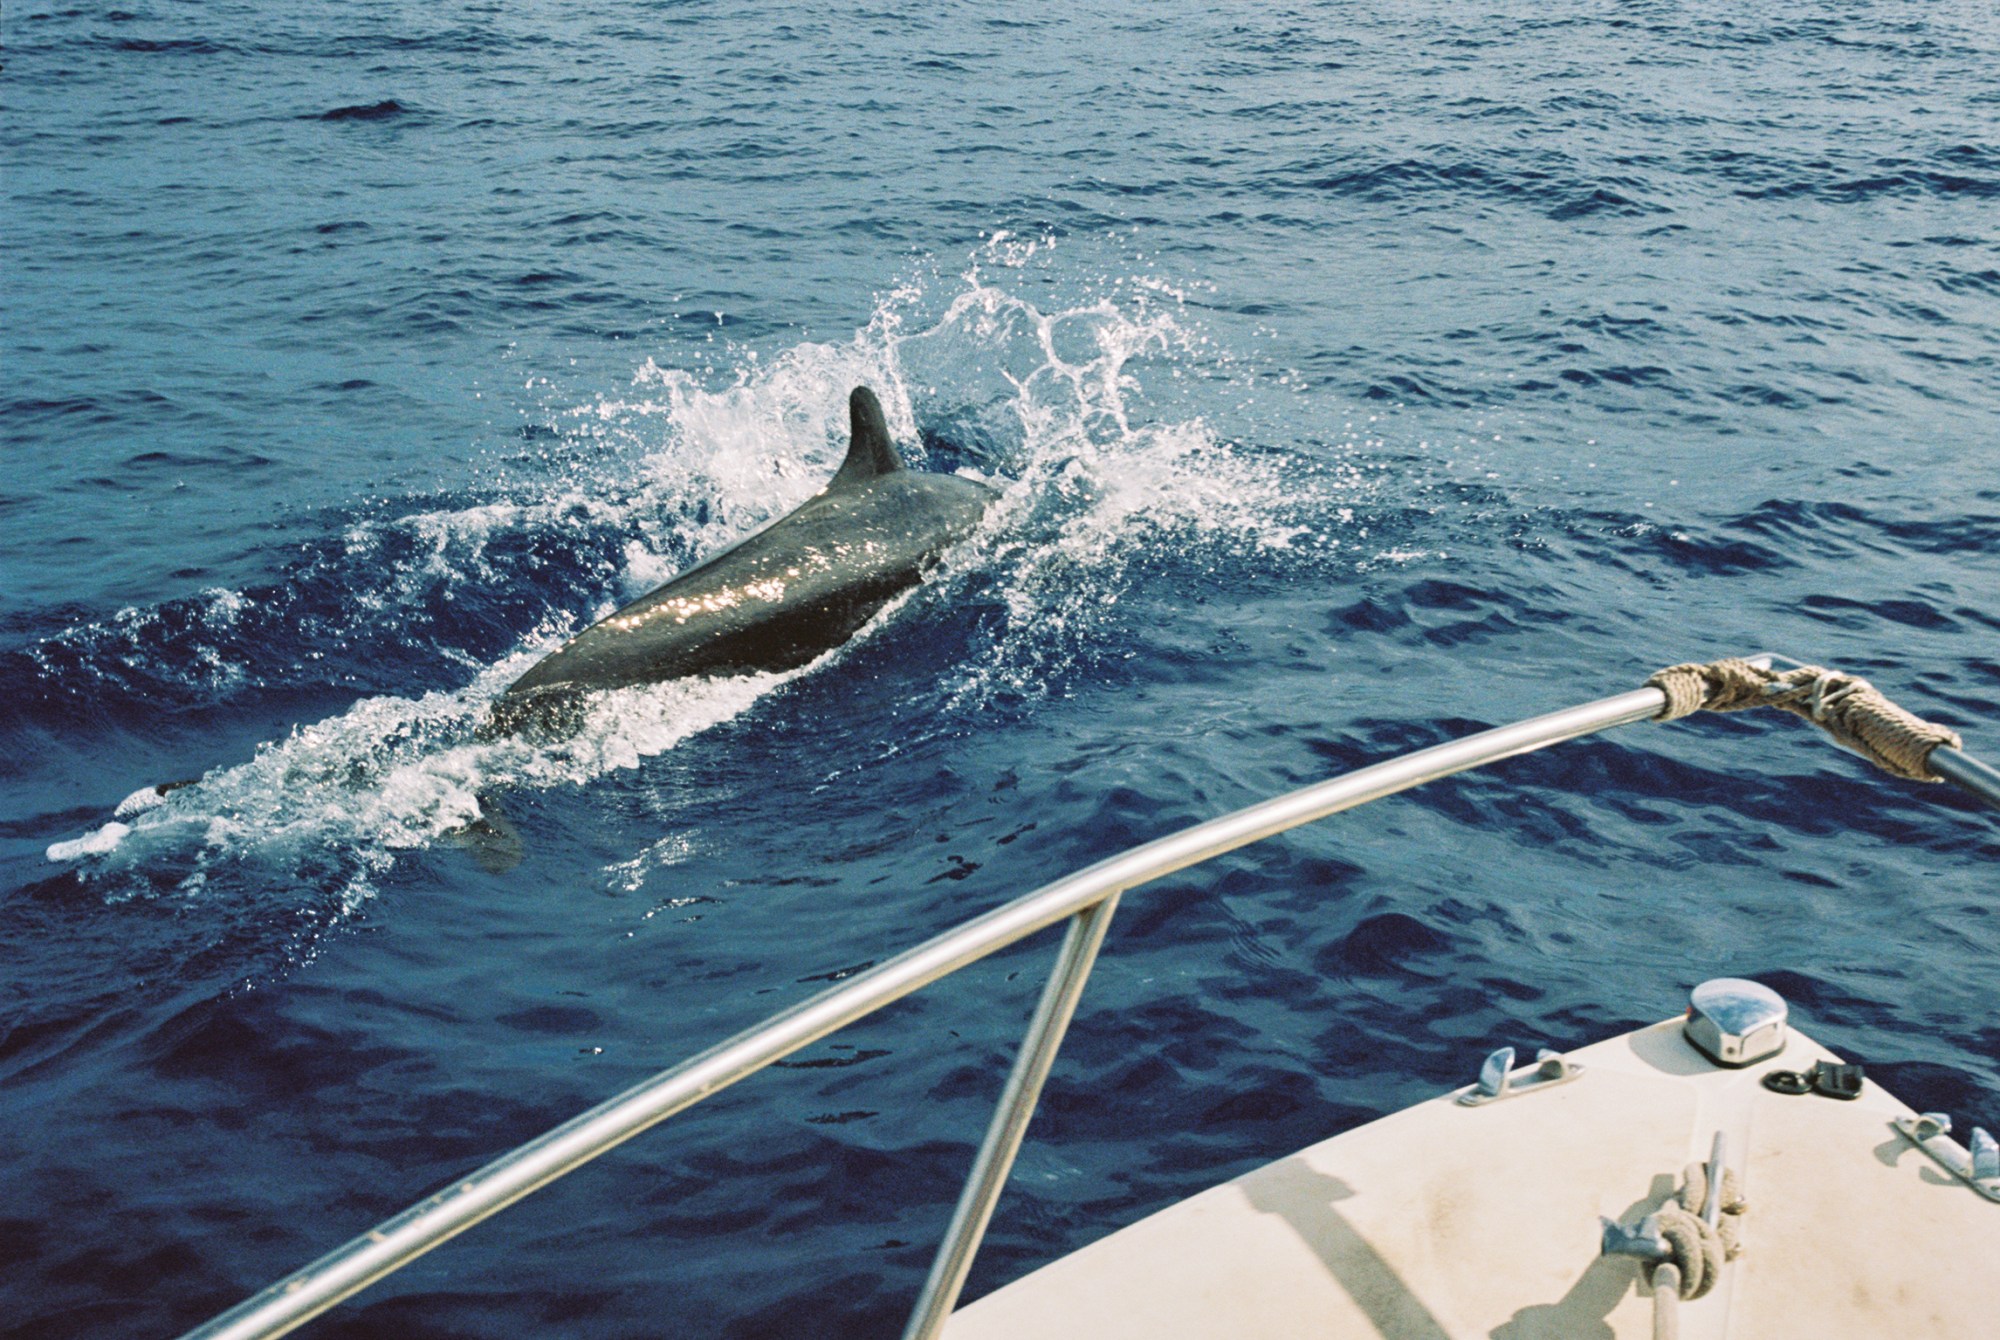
x,y
1070,411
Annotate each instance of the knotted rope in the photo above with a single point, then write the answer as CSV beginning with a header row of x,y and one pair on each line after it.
x,y
1846,706
1698,1249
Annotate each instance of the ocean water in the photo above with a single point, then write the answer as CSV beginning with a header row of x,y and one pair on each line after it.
x,y
1356,377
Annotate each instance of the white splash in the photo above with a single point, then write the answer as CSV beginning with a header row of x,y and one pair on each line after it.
x,y
391,774
1070,410
94,843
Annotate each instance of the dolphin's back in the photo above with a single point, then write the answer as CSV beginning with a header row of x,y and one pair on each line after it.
x,y
789,593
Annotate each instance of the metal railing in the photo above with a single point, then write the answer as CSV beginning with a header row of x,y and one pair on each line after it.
x,y
1085,899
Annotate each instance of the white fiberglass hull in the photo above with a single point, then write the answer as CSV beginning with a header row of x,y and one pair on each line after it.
x,y
1452,1221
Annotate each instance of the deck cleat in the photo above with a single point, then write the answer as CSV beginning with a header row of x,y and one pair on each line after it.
x,y
1735,1022
1976,1163
1499,1079
1984,1151
1642,1241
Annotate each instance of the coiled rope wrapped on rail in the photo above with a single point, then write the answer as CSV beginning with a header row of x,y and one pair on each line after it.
x,y
1845,706
1700,1248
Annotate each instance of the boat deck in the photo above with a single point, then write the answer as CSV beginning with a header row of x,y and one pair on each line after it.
x,y
1452,1221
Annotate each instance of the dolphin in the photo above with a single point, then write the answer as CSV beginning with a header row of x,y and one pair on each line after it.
x,y
794,590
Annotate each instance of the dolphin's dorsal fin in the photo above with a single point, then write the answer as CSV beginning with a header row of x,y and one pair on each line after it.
x,y
870,454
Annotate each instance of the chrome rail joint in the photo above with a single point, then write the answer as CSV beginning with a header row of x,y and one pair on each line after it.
x,y
1085,899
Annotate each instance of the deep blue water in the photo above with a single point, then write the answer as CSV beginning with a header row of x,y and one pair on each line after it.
x,y
1358,377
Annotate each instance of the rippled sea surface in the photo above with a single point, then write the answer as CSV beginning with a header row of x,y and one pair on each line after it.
x,y
1357,376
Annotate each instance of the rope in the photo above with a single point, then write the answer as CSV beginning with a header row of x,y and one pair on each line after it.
x,y
1666,1301
1847,707
1699,1250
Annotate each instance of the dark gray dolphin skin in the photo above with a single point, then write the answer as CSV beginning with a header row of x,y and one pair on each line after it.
x,y
797,588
